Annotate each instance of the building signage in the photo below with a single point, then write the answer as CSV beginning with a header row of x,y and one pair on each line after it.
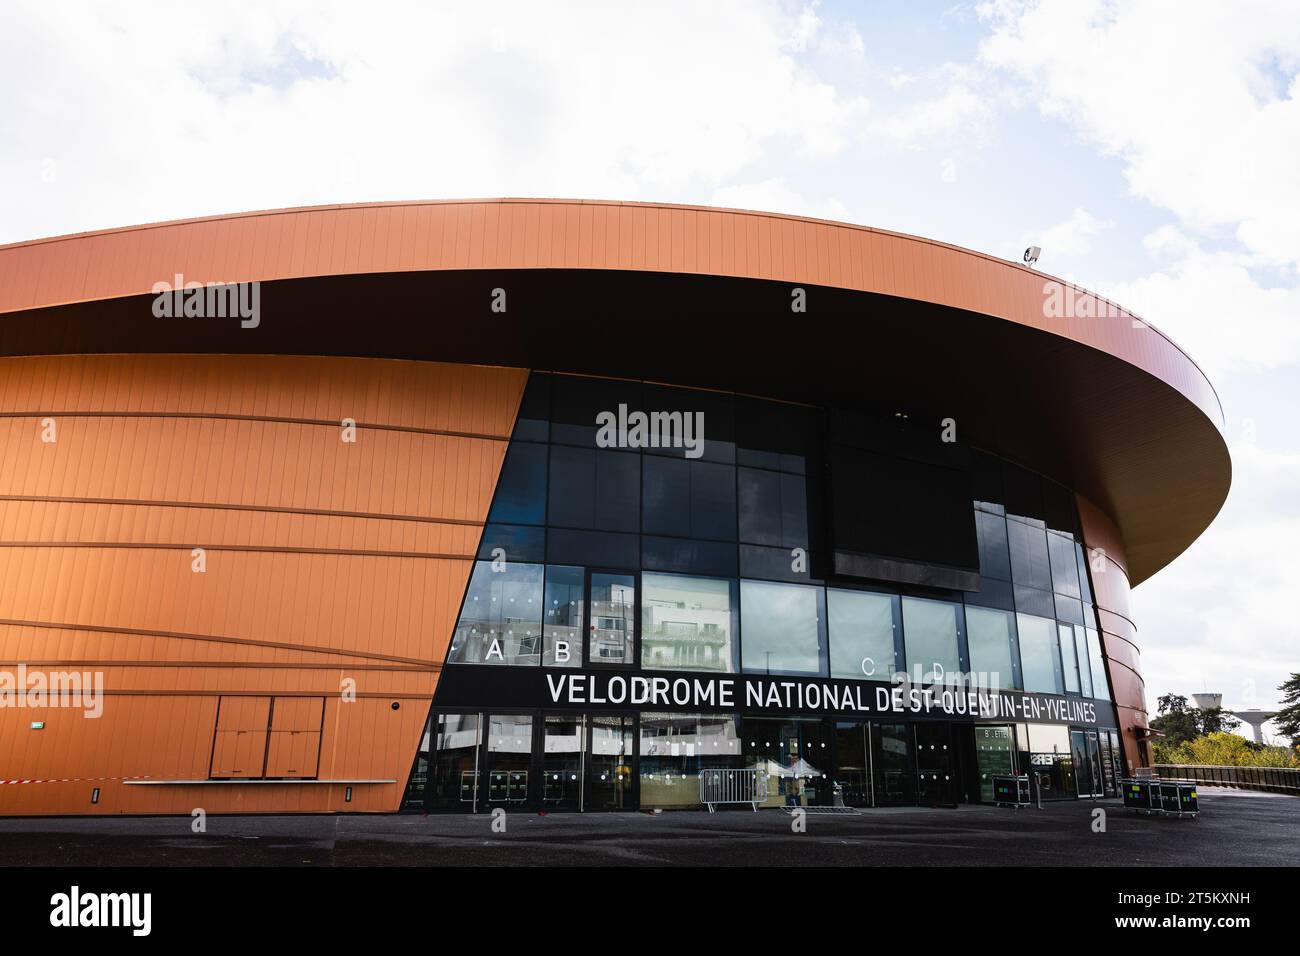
x,y
535,687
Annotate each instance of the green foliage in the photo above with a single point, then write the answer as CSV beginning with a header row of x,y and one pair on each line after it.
x,y
1287,720
1225,749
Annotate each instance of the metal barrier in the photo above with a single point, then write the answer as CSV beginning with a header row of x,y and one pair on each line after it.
x,y
733,786
1270,779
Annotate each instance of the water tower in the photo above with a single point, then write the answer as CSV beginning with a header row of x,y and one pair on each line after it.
x,y
1257,719
1207,701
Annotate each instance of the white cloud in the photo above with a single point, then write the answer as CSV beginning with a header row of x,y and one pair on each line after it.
x,y
1222,617
266,106
1201,101
775,195
1211,305
1073,236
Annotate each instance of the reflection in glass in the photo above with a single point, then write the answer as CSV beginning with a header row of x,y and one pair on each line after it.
x,y
1051,760
1085,667
520,496
1030,565
613,618
1040,664
892,768
501,620
562,753
782,626
453,771
930,638
989,635
1100,685
509,754
862,627
562,622
675,747
1069,658
794,754
1065,568
853,763
686,623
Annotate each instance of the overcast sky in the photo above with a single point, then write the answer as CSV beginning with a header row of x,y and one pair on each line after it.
x,y
1152,150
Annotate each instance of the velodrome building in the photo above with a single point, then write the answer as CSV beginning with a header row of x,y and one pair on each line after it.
x,y
563,505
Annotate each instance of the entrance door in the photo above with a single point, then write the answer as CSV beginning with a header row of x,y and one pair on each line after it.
x,y
453,781
893,777
508,756
935,785
1086,752
853,762
609,764
796,755
563,749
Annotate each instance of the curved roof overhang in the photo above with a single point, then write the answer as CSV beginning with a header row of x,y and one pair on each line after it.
x,y
1097,399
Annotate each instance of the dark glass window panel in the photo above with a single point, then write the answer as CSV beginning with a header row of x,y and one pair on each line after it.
x,y
453,770
1030,565
760,506
1064,564
562,616
1085,586
995,553
604,549
1097,666
521,490
688,556
563,743
1035,601
794,511
572,487
533,422
594,489
576,402
713,501
993,593
986,478
713,411
518,542
773,564
501,618
775,435
902,508
1068,609
1022,491
1085,665
1058,507
782,628
666,496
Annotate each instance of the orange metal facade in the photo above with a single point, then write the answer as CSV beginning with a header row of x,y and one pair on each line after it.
x,y
326,562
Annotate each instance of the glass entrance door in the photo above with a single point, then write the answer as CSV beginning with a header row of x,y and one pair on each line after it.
x,y
453,775
508,756
893,780
853,762
609,764
563,750
934,764
1086,751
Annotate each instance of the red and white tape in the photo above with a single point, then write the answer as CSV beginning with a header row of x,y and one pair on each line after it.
x,y
72,780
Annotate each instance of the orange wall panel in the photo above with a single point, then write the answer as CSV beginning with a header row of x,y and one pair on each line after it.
x,y
327,567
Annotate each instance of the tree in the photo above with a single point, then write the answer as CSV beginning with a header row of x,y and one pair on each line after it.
x,y
1215,720
1177,722
1287,720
